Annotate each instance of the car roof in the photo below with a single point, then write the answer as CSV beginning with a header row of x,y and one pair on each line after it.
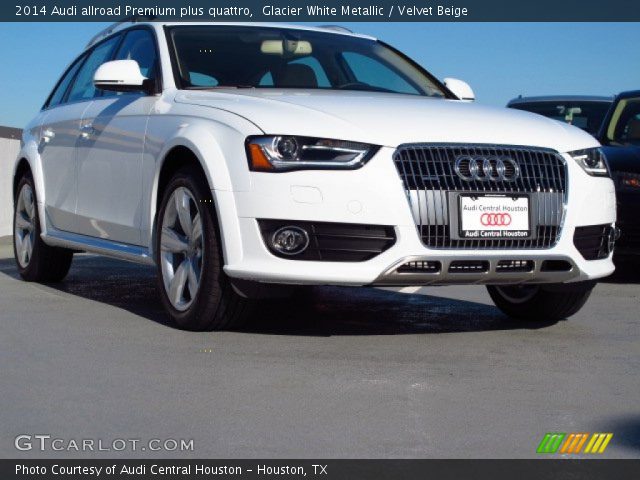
x,y
629,93
561,98
334,29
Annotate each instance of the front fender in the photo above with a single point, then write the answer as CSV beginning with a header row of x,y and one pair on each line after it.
x,y
219,149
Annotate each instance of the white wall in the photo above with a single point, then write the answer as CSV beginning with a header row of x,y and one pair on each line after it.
x,y
9,149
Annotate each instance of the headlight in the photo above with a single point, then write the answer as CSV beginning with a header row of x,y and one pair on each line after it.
x,y
592,161
628,181
285,153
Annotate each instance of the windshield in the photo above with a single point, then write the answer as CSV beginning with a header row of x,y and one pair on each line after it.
x,y
624,127
585,115
260,57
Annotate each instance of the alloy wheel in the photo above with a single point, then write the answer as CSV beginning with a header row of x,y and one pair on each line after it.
x,y
181,249
25,226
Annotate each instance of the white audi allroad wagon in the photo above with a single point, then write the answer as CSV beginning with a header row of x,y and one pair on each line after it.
x,y
247,161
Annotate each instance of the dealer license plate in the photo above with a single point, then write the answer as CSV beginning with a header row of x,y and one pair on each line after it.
x,y
494,217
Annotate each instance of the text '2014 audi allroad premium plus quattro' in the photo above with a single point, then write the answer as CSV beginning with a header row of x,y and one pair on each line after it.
x,y
245,161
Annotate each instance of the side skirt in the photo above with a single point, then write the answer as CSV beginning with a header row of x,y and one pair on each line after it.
x,y
100,246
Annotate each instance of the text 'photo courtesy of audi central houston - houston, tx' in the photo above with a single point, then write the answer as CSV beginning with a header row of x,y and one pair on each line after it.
x,y
249,161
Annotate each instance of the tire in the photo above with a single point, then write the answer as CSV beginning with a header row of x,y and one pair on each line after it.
x,y
195,291
36,261
541,302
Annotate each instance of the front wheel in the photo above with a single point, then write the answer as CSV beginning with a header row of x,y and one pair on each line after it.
x,y
195,291
541,302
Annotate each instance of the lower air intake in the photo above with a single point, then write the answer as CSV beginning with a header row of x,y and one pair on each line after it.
x,y
555,266
333,242
594,242
506,266
469,266
419,267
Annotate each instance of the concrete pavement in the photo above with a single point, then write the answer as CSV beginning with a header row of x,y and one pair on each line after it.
x,y
345,372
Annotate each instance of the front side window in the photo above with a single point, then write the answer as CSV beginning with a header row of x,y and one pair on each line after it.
x,y
266,57
57,96
138,45
83,88
624,127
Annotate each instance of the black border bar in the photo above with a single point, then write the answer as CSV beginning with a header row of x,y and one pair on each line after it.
x,y
327,11
533,469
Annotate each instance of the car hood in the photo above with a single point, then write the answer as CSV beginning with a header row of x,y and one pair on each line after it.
x,y
388,119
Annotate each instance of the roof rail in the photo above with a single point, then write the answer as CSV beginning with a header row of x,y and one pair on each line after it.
x,y
336,28
111,28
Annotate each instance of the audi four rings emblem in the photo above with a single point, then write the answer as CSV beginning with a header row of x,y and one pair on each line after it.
x,y
495,219
479,168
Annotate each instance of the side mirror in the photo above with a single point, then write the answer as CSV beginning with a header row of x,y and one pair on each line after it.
x,y
460,89
121,76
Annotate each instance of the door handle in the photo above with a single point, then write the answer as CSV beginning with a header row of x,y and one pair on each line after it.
x,y
48,135
86,131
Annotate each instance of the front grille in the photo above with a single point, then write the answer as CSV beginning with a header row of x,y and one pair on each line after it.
x,y
594,242
429,174
334,242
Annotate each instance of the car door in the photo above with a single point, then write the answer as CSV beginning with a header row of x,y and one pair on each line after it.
x,y
110,156
61,138
58,137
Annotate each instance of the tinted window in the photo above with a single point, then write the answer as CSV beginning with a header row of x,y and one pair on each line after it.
x,y
139,45
61,89
624,128
269,57
202,79
372,72
83,88
586,115
310,65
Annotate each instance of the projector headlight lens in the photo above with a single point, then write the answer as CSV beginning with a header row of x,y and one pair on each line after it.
x,y
592,161
285,153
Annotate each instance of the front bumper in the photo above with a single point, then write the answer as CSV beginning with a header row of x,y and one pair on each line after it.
x,y
375,195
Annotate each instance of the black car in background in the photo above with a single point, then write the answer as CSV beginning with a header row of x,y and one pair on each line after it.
x,y
620,137
586,112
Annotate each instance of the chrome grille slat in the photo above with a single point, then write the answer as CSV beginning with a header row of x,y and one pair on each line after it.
x,y
428,174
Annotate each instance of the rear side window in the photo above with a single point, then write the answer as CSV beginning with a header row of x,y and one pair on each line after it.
x,y
58,94
83,88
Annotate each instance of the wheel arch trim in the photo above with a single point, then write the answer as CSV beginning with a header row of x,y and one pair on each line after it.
x,y
205,149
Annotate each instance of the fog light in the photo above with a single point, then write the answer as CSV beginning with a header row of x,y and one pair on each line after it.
x,y
290,240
